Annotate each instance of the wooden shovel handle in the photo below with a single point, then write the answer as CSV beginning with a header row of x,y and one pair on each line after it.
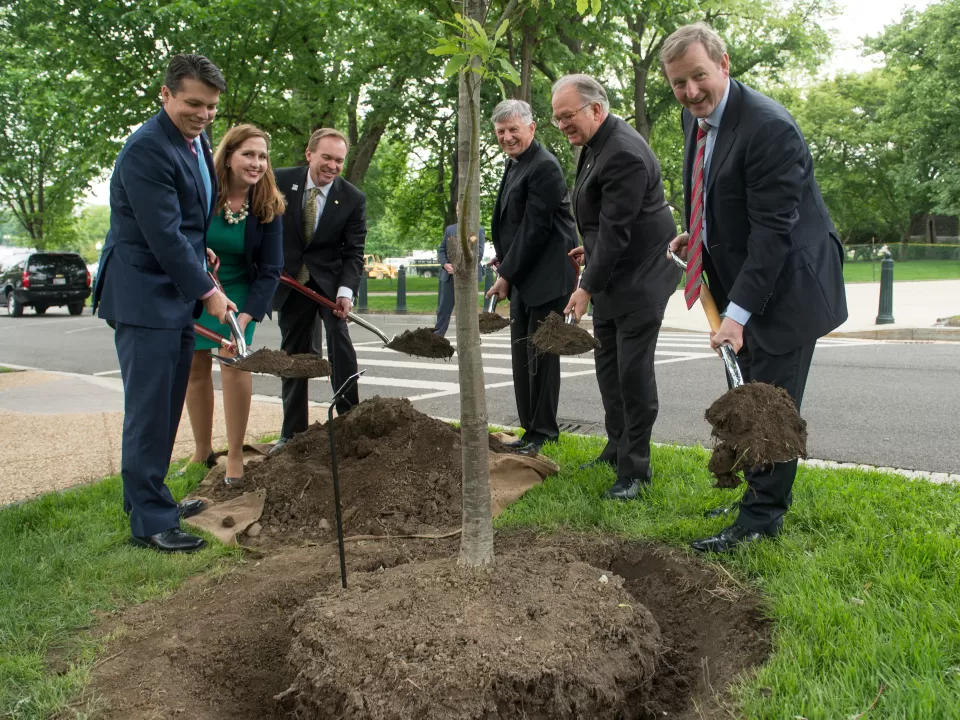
x,y
709,307
288,280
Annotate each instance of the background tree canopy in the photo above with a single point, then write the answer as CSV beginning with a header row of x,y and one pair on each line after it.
x,y
76,78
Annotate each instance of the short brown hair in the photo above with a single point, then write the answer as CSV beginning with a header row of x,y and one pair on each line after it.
x,y
318,135
266,201
194,67
682,38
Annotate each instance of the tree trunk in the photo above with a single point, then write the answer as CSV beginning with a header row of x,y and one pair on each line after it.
x,y
476,541
525,90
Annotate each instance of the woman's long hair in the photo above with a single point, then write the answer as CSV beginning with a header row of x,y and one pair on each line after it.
x,y
266,201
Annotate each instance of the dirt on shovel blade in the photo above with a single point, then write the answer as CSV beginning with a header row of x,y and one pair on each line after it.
x,y
555,336
491,322
277,362
754,425
422,342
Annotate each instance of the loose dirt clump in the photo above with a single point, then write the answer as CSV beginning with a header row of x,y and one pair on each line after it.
x,y
277,362
491,322
422,342
399,470
555,336
544,635
217,649
755,425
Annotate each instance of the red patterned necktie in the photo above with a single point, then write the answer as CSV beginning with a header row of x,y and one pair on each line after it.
x,y
695,245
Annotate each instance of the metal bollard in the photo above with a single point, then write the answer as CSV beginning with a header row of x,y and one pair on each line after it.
x,y
488,280
885,313
362,295
402,291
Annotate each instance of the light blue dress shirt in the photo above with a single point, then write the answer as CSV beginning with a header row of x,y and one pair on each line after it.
x,y
734,311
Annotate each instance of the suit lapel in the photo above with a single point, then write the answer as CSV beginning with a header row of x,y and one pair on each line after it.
x,y
518,172
192,162
689,150
295,203
726,134
330,207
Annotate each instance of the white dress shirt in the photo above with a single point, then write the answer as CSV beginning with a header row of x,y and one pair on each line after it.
x,y
343,291
733,311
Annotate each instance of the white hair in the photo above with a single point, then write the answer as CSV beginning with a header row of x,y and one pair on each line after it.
x,y
590,90
507,109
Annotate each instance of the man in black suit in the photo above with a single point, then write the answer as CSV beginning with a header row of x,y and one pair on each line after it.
x,y
324,230
153,283
758,228
533,231
625,222
445,296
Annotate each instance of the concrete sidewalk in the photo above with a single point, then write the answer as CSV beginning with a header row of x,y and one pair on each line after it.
x,y
63,429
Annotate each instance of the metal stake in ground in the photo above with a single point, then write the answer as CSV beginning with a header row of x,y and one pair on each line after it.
x,y
350,382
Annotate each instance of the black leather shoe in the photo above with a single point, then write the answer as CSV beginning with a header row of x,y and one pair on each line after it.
x,y
721,511
189,508
171,541
278,446
727,539
530,449
209,463
626,488
597,462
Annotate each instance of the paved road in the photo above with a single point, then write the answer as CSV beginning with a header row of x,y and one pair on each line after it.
x,y
879,403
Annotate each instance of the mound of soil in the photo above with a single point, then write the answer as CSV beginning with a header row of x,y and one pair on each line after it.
x,y
542,636
491,322
754,425
277,362
216,649
555,336
422,342
399,470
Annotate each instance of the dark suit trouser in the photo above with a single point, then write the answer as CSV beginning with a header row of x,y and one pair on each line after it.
x,y
769,493
155,367
445,303
297,320
628,387
536,378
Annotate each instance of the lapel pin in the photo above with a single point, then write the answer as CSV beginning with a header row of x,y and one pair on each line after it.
x,y
295,187
336,202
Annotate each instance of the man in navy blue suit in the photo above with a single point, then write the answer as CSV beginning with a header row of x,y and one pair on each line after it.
x,y
153,283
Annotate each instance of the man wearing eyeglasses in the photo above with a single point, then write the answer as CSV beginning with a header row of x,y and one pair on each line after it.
x,y
625,222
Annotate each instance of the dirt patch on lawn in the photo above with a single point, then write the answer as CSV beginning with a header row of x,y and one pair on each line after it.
x,y
556,337
277,362
399,470
422,342
754,425
220,649
490,322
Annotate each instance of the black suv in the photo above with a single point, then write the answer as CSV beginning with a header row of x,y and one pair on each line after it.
x,y
46,279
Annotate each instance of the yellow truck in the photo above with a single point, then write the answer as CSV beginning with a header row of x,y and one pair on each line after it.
x,y
376,268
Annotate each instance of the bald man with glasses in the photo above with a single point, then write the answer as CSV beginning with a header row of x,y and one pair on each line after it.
x,y
625,222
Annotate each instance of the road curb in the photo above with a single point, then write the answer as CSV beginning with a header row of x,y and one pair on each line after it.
x,y
947,334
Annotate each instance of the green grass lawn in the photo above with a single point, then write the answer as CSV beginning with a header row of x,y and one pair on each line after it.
x,y
864,584
5,369
416,304
855,272
414,284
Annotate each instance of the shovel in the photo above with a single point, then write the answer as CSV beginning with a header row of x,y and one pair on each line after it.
x,y
571,319
239,341
709,305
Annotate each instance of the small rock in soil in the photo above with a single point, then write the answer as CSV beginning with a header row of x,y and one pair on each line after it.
x,y
254,530
556,337
422,342
491,322
228,521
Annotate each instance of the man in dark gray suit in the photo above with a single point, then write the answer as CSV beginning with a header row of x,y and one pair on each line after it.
x,y
533,231
625,223
759,229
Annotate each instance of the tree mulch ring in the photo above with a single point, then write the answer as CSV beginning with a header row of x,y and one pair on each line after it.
x,y
422,342
399,470
277,362
224,648
491,322
755,425
555,336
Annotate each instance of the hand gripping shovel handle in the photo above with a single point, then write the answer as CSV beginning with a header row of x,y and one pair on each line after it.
x,y
709,306
571,319
235,330
289,281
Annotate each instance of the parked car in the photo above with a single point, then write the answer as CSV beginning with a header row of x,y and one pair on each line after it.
x,y
46,279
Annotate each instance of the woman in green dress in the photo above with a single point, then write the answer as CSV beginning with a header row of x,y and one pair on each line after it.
x,y
246,235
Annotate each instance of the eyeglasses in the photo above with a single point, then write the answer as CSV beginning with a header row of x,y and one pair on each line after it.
x,y
568,118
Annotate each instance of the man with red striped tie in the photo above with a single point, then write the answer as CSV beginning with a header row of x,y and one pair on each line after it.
x,y
761,236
